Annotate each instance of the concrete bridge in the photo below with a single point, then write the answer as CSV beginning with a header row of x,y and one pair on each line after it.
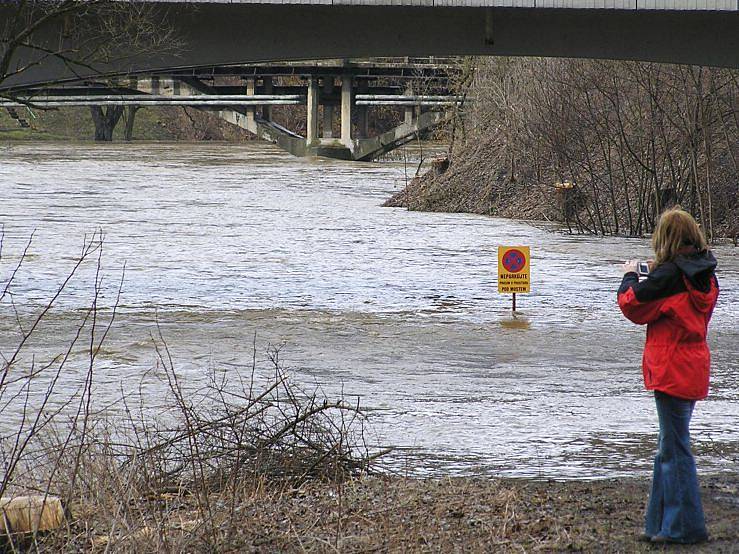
x,y
337,96
219,36
221,32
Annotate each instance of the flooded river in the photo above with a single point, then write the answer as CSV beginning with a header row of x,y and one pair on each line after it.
x,y
399,309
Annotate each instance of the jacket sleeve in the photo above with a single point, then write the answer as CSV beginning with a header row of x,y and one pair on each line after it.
x,y
641,302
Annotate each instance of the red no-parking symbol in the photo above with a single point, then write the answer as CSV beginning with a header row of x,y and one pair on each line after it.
x,y
514,261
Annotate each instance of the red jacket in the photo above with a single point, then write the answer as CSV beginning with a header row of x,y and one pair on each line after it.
x,y
676,301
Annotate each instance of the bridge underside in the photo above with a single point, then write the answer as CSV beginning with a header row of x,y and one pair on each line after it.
x,y
333,96
219,34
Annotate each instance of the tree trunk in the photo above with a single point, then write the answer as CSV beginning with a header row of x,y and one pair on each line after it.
x,y
130,119
105,121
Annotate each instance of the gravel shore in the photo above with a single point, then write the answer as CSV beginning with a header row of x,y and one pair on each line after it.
x,y
395,514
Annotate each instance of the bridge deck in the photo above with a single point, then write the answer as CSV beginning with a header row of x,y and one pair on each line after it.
x,y
710,5
241,32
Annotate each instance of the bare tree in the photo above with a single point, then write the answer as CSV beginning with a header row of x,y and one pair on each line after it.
x,y
633,138
80,35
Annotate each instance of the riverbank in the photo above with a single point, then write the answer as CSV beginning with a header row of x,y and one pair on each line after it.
x,y
467,189
602,146
396,514
151,124
475,184
469,186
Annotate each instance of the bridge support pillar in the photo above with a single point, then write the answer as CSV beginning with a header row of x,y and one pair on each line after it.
x,y
410,111
410,115
250,119
268,89
363,112
311,134
346,110
328,110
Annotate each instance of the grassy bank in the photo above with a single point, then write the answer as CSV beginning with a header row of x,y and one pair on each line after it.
x,y
156,123
75,124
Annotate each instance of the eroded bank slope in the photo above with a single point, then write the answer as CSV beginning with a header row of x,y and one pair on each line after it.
x,y
602,146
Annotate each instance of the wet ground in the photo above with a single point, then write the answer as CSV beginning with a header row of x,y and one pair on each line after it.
x,y
391,514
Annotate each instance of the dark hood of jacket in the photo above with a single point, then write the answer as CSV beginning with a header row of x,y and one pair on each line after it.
x,y
698,267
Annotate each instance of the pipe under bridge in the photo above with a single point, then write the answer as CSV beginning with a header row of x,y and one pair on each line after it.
x,y
337,98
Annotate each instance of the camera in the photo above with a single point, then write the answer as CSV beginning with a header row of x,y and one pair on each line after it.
x,y
642,268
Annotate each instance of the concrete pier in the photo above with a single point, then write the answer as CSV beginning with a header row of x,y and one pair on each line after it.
x,y
363,112
250,111
328,109
311,136
346,111
268,87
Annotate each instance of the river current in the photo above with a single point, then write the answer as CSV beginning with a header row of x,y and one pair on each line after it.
x,y
222,243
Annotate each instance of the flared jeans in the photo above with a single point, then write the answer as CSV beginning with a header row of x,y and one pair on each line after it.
x,y
675,510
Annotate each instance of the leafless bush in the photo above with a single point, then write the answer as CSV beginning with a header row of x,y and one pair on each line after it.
x,y
31,395
633,137
234,428
139,477
124,477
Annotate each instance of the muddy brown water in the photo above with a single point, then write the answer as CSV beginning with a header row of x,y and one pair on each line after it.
x,y
397,309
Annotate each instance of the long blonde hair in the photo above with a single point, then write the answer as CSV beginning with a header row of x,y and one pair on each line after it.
x,y
676,230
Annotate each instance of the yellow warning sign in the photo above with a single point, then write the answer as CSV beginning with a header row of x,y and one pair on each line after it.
x,y
514,269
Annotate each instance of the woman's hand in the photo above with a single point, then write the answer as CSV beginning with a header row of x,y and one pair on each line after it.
x,y
629,267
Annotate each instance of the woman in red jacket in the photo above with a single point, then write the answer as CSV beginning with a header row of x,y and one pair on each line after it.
x,y
675,301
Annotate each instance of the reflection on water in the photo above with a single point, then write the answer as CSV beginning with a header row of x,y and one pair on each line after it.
x,y
515,322
397,308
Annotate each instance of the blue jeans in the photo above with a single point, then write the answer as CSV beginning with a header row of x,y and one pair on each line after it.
x,y
675,510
